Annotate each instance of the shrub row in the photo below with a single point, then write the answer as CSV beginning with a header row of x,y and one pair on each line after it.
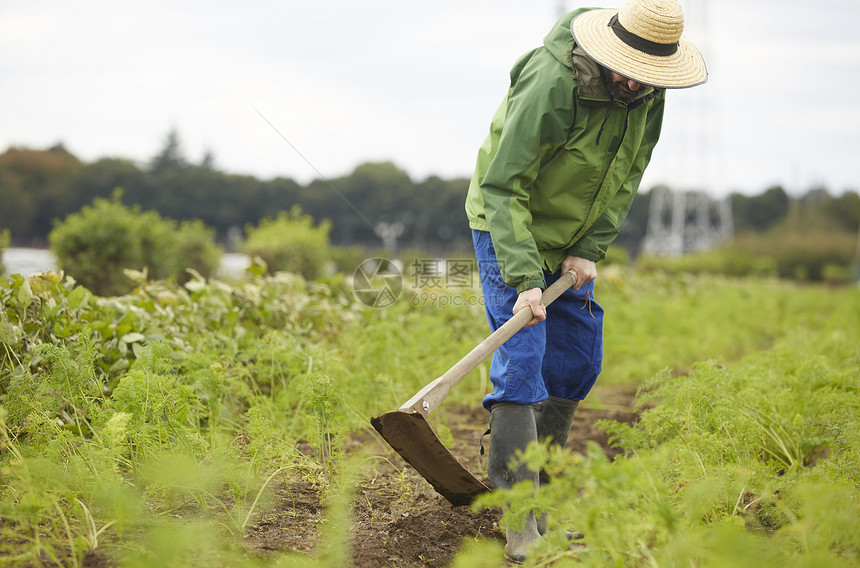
x,y
97,243
818,256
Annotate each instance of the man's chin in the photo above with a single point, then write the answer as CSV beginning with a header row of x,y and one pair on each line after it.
x,y
622,94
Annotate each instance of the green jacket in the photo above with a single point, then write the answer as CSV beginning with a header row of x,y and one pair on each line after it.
x,y
558,172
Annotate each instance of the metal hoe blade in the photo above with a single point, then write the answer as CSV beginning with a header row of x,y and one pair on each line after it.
x,y
406,430
411,436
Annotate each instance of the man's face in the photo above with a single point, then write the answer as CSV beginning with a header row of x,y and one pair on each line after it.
x,y
620,87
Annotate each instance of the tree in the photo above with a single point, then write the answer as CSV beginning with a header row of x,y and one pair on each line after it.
x,y
208,161
98,180
759,213
35,187
170,156
4,243
843,211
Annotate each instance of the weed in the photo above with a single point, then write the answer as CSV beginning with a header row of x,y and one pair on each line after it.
x,y
324,401
155,424
693,486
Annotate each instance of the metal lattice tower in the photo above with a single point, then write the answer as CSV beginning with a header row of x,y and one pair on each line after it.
x,y
686,221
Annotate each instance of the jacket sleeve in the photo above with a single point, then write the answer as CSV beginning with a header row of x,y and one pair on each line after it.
x,y
537,119
594,244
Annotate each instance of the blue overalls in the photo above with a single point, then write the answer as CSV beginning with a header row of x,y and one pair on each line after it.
x,y
559,357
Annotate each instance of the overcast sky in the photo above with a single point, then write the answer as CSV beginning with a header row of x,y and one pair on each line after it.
x,y
415,83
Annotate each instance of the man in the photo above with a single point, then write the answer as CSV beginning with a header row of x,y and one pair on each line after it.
x,y
553,183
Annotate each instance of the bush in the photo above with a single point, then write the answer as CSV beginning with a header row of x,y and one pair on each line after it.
x,y
195,248
726,261
617,255
813,255
95,244
5,239
802,256
347,259
836,274
291,243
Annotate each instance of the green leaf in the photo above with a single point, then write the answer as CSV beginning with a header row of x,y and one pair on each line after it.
x,y
79,298
195,285
132,337
119,365
25,294
7,333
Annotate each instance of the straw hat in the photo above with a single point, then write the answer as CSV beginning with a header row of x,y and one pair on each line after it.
x,y
642,41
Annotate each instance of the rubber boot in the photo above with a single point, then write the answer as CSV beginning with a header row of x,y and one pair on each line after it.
x,y
512,428
553,418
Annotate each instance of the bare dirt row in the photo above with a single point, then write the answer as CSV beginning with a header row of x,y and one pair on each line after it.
x,y
397,518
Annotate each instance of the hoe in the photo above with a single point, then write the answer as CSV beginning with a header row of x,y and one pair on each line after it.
x,y
406,429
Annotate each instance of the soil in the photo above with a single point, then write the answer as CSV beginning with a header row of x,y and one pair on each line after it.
x,y
398,519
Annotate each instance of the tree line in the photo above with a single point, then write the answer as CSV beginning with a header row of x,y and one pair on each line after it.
x,y
376,205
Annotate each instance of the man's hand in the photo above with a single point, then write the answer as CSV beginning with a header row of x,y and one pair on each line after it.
x,y
586,270
531,299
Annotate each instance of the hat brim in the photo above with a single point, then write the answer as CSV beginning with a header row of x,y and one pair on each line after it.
x,y
684,68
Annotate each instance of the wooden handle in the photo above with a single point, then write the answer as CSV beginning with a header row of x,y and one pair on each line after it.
x,y
428,398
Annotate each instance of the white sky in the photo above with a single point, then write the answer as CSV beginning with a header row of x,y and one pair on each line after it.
x,y
413,83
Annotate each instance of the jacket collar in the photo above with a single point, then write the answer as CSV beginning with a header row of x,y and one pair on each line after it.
x,y
591,88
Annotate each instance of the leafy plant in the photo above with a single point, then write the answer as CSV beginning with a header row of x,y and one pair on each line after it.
x,y
324,401
727,466
154,426
98,242
291,243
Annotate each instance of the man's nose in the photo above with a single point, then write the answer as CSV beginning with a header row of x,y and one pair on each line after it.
x,y
633,85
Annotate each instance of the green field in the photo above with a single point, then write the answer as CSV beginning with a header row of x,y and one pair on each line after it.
x,y
150,429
